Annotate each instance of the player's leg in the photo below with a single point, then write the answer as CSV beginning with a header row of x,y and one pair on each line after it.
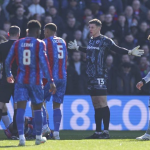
x,y
57,101
45,130
21,106
102,110
5,117
21,96
1,108
36,94
146,136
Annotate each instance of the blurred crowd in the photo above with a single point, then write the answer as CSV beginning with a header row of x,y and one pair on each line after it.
x,y
127,22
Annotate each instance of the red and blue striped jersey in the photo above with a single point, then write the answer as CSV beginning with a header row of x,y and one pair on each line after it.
x,y
32,61
57,56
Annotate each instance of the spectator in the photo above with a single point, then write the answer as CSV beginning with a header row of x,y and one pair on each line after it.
x,y
134,30
146,49
78,37
2,18
144,66
126,80
57,20
129,15
79,80
20,21
116,3
112,11
108,25
111,82
137,12
71,27
6,26
142,34
109,34
148,17
121,28
13,5
35,8
85,30
129,42
73,7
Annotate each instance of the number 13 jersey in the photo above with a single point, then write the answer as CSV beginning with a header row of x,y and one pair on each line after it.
x,y
57,56
32,61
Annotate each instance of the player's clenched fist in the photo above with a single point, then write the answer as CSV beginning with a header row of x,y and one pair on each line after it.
x,y
52,88
10,79
139,85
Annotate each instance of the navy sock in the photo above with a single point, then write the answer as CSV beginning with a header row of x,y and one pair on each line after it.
x,y
44,115
20,120
98,119
106,117
38,119
56,119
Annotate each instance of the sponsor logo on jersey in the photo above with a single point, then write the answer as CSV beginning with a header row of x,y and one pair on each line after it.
x,y
27,45
92,47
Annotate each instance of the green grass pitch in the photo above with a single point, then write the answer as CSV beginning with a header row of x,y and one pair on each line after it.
x,y
74,140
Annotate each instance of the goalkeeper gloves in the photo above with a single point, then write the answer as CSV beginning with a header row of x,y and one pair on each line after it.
x,y
73,45
136,52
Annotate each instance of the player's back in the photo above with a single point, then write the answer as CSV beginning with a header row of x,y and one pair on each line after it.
x,y
57,56
27,57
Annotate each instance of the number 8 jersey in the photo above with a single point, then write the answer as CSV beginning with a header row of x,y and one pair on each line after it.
x,y
57,56
32,61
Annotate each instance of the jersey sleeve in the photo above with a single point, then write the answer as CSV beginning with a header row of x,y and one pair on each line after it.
x,y
9,60
116,48
44,62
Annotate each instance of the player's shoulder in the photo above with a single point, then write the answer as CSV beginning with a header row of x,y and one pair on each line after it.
x,y
107,39
41,41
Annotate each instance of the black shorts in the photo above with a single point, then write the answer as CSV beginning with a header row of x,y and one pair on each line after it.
x,y
97,87
6,91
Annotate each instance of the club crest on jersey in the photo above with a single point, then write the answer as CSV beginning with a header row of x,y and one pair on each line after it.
x,y
98,41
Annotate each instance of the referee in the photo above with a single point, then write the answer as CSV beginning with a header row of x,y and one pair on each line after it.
x,y
7,89
96,53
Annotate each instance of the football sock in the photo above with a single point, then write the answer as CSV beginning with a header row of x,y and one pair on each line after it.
x,y
20,120
106,117
98,119
38,119
21,137
48,122
14,120
5,119
33,123
0,114
56,119
44,116
148,130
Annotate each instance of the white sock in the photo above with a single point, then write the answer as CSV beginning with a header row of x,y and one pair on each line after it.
x,y
6,120
39,137
21,137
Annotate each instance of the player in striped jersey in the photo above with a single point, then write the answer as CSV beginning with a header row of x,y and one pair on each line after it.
x,y
57,56
31,58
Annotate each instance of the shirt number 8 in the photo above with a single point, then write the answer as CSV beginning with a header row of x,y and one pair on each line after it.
x,y
26,57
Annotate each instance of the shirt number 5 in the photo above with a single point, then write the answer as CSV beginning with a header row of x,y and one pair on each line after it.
x,y
60,51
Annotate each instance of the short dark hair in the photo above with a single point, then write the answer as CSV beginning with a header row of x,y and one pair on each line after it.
x,y
33,24
14,30
51,26
97,22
